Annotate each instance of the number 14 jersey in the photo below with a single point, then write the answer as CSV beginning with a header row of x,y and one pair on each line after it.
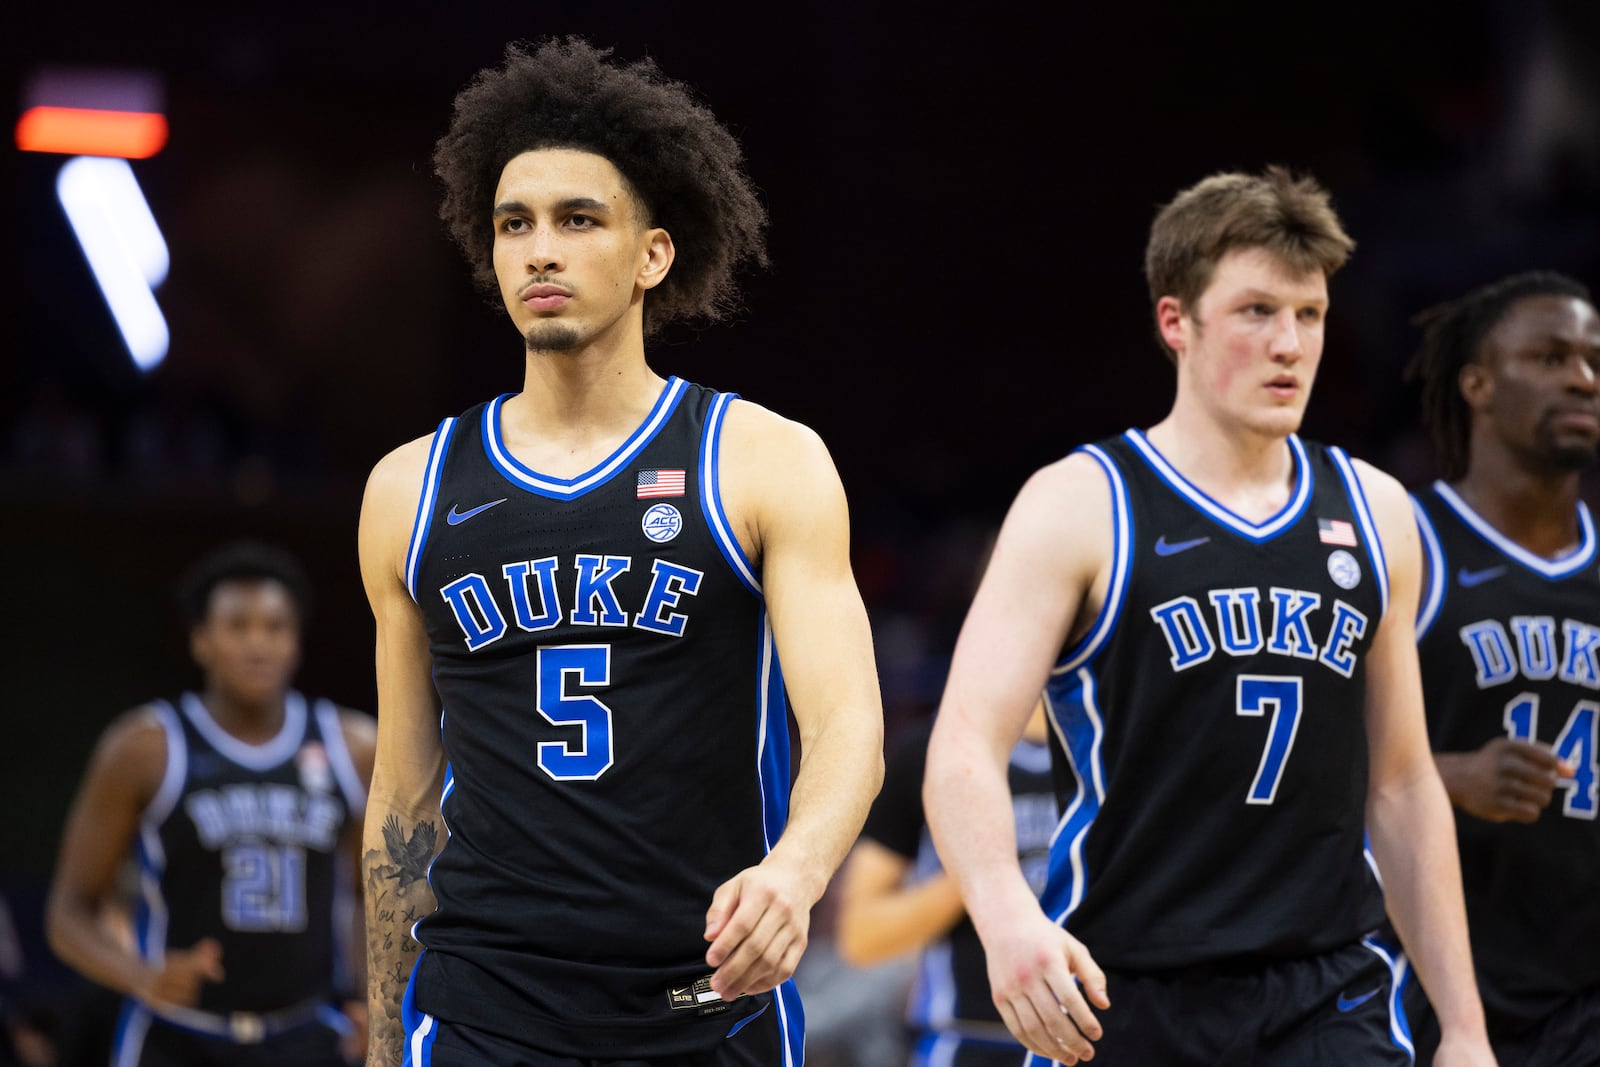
x,y
1510,647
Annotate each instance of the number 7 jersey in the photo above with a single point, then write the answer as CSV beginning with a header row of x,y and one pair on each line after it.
x,y
616,731
1212,759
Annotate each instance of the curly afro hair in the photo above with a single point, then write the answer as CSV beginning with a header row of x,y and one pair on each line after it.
x,y
684,167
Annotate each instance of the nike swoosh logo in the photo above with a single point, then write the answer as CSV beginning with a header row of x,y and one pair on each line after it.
x,y
1352,1003
1467,579
456,518
1172,548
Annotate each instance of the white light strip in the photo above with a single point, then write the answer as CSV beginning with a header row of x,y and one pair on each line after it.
x,y
124,247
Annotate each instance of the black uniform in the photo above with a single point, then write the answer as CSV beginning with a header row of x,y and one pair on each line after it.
x,y
617,738
1510,646
1215,771
951,1013
242,844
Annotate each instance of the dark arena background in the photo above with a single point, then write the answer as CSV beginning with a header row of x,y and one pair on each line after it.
x,y
959,197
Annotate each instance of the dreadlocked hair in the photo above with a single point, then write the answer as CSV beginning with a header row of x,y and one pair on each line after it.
x,y
1452,335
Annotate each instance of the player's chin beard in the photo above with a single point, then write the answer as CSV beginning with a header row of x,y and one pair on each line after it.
x,y
551,337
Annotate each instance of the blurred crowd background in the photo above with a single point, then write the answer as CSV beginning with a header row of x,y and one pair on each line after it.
x,y
959,198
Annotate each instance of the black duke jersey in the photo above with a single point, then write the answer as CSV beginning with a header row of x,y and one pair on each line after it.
x,y
1212,765
1510,647
242,844
616,731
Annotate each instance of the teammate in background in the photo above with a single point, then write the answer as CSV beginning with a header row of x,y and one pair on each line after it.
x,y
1509,638
600,576
1222,615
895,898
242,804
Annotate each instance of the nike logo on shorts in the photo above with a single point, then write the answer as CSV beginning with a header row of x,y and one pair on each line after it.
x,y
1352,1003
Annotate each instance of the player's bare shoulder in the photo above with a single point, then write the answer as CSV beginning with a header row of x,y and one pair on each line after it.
x,y
398,476
389,506
1068,503
774,469
1389,501
132,754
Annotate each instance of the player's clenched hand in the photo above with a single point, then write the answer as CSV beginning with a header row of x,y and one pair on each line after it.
x,y
182,971
1038,974
757,925
1504,781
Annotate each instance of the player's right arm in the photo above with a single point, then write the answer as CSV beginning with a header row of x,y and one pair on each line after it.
x,y
124,775
1047,572
880,916
1507,780
403,828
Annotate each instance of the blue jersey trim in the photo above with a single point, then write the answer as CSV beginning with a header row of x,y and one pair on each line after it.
x,y
791,1023
711,494
545,485
1121,567
1399,967
127,1042
772,766
150,910
1434,584
1560,567
421,1029
256,757
1075,715
1369,526
425,502
1257,532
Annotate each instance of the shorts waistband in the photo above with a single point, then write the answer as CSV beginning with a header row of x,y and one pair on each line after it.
x,y
243,1027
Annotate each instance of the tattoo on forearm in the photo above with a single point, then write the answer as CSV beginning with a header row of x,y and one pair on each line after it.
x,y
397,895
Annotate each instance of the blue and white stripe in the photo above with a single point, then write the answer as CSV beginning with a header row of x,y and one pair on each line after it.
x,y
1437,579
1251,531
1560,567
711,494
428,497
1121,566
1076,717
545,485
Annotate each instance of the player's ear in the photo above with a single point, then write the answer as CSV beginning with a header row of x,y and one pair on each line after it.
x,y
200,647
656,260
1170,323
1475,383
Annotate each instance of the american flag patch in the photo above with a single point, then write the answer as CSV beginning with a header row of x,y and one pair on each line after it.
x,y
1336,532
666,483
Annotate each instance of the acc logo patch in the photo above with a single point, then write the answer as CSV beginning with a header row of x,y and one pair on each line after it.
x,y
1344,570
662,522
316,774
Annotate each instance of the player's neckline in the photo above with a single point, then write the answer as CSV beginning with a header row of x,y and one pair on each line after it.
x,y
529,480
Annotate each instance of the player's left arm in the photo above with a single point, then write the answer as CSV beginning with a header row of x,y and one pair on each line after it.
x,y
360,732
788,507
1409,821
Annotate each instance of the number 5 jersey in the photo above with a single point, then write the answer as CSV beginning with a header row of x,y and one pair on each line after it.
x,y
615,729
